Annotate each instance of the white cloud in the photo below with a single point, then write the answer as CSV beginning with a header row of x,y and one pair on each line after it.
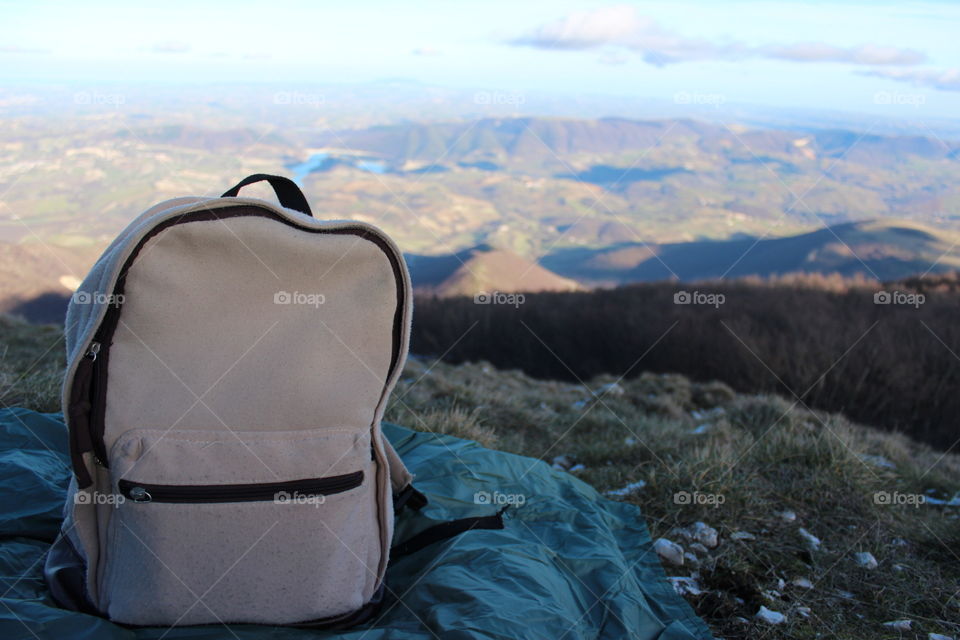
x,y
943,79
425,51
623,27
171,46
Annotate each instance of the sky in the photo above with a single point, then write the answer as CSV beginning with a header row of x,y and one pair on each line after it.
x,y
894,58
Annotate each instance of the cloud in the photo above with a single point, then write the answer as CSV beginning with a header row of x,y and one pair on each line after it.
x,y
170,46
623,27
868,54
943,79
425,51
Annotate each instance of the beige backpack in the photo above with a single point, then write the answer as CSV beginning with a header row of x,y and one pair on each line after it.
x,y
229,362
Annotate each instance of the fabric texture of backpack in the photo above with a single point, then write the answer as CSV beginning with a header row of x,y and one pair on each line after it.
x,y
229,362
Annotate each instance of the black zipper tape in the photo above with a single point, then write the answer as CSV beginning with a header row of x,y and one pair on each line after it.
x,y
280,492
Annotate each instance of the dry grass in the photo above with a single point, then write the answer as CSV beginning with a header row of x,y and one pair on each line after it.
x,y
762,454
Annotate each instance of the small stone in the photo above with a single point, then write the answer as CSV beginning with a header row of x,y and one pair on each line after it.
x,y
577,467
899,625
629,441
579,404
787,516
691,559
770,617
742,535
899,542
611,388
631,488
898,568
812,541
781,584
685,586
866,560
703,428
669,551
803,583
564,462
741,620
705,535
771,594
803,611
846,595
699,549
938,636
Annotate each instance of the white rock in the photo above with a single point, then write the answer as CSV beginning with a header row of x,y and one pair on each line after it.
x,y
577,467
803,583
781,584
770,617
899,625
899,542
703,533
564,462
771,594
703,428
938,636
812,541
787,516
611,388
691,559
866,560
847,595
699,549
742,535
633,487
804,611
899,568
741,620
629,441
669,551
683,586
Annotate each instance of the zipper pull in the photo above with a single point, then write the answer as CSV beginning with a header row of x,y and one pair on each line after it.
x,y
139,494
93,351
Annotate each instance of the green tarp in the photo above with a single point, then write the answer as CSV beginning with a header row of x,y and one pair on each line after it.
x,y
569,564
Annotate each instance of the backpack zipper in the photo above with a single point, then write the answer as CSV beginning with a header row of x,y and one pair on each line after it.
x,y
281,492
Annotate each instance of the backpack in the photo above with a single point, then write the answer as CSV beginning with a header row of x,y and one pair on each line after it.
x,y
229,362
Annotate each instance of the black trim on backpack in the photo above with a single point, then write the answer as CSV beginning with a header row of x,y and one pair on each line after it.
x,y
446,530
88,399
288,193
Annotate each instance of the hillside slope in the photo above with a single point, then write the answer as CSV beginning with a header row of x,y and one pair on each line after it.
x,y
482,269
877,249
767,476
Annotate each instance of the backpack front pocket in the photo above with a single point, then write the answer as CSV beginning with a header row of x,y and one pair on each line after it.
x,y
206,527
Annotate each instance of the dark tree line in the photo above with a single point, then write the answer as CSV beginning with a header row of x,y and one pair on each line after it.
x,y
891,365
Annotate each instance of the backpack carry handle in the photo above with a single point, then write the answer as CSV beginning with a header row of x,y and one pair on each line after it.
x,y
288,193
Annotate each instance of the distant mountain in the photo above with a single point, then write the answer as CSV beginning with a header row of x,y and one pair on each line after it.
x,y
883,250
482,269
493,143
